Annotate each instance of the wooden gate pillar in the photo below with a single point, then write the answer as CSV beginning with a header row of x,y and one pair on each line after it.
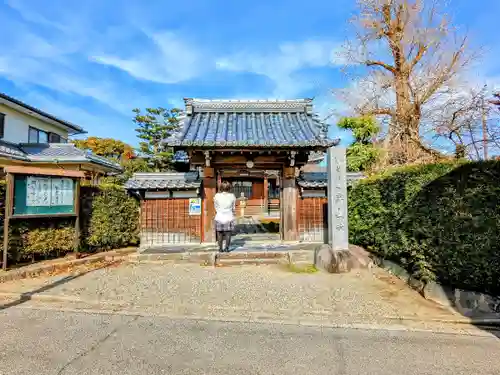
x,y
266,195
289,205
209,190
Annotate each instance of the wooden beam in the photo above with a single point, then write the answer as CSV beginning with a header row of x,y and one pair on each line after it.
x,y
289,205
209,190
266,193
9,199
44,171
77,220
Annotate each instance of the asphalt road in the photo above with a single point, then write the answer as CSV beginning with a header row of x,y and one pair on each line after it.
x,y
47,342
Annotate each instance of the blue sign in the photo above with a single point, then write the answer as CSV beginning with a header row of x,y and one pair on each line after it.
x,y
195,206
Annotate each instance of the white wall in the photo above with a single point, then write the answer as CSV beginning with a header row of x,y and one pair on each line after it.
x,y
17,126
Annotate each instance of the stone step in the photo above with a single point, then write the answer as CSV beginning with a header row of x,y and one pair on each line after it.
x,y
202,258
251,258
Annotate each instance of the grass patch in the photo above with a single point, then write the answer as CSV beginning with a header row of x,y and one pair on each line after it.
x,y
302,268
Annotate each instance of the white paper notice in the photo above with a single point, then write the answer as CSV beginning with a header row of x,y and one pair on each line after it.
x,y
46,192
67,192
57,193
38,192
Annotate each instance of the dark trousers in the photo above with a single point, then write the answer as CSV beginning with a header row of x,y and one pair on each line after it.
x,y
224,236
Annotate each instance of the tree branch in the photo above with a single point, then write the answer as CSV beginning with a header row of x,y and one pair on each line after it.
x,y
388,67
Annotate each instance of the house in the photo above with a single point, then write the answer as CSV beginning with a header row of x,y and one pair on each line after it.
x,y
32,137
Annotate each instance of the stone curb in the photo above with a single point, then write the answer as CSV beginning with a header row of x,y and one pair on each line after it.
x,y
43,269
464,301
8,296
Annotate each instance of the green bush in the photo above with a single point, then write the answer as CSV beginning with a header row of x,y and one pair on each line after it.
x,y
109,219
48,241
440,221
113,220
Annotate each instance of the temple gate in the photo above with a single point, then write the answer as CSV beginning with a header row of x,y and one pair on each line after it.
x,y
262,147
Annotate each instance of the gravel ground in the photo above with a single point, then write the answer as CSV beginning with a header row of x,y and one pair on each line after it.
x,y
247,291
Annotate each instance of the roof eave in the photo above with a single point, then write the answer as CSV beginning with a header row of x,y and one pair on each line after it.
x,y
318,145
26,108
73,160
13,157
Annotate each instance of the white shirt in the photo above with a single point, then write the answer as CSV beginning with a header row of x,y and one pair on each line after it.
x,y
224,207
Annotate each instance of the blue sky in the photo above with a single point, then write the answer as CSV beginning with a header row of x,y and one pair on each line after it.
x,y
91,62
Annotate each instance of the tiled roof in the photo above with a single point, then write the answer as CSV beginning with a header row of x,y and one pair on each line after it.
x,y
181,157
250,123
319,180
11,150
189,180
13,102
65,152
316,157
54,152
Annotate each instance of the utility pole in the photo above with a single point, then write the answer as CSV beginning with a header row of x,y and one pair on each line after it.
x,y
485,127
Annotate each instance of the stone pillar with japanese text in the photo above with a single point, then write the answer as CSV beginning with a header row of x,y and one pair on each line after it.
x,y
338,233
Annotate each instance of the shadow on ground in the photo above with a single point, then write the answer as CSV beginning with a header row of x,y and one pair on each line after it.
x,y
25,297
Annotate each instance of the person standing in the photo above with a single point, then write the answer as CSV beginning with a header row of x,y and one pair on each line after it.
x,y
224,202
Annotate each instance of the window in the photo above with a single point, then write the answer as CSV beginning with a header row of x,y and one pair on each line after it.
x,y
244,187
54,138
37,136
2,125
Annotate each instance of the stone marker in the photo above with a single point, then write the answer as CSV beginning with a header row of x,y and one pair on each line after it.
x,y
335,257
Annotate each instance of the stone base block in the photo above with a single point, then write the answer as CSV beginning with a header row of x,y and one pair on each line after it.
x,y
333,261
301,257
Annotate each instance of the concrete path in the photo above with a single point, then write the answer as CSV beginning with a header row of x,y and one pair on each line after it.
x,y
49,343
251,293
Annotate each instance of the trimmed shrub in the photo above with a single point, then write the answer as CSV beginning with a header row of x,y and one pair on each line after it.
x,y
109,219
440,221
113,220
47,242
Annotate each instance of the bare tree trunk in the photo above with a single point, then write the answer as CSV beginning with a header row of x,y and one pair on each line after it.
x,y
412,56
485,130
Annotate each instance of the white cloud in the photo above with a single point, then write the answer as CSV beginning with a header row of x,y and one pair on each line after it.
x,y
172,60
282,65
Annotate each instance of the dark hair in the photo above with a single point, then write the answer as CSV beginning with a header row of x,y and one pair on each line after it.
x,y
225,187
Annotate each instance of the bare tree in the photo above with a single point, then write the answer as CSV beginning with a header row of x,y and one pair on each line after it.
x,y
411,55
462,121
496,100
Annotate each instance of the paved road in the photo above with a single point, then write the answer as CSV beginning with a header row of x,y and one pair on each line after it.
x,y
50,342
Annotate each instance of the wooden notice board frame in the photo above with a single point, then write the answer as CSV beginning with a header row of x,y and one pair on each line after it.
x,y
17,172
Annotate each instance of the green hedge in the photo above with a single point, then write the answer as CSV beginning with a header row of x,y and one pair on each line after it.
x,y
113,218
109,219
440,221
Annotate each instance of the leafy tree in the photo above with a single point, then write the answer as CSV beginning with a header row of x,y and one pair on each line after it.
x,y
130,166
108,147
362,154
153,127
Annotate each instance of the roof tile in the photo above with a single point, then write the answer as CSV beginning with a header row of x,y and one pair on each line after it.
x,y
319,180
64,152
139,181
250,123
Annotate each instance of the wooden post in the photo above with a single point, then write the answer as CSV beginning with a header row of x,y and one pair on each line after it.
x,y
219,180
266,194
77,219
209,190
289,205
9,199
